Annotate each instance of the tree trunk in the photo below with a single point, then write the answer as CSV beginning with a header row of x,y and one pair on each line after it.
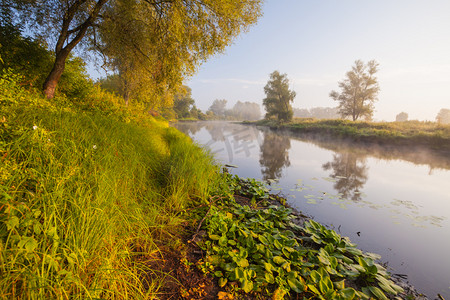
x,y
51,82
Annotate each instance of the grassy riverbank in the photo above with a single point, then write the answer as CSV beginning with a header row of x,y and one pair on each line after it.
x,y
427,134
86,187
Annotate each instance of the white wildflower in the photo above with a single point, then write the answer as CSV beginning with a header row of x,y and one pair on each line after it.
x,y
34,127
95,147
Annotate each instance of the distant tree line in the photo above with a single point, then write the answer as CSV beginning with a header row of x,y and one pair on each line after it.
x,y
443,116
240,111
317,113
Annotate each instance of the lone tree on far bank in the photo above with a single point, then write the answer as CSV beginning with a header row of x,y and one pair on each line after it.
x,y
401,117
278,97
359,90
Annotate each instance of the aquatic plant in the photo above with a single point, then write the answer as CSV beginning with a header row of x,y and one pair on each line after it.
x,y
265,251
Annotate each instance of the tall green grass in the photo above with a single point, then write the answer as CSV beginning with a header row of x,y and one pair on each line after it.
x,y
84,188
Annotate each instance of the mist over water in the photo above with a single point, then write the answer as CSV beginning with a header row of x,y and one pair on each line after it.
x,y
390,201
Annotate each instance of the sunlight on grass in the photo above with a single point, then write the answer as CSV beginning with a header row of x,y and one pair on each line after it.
x,y
86,188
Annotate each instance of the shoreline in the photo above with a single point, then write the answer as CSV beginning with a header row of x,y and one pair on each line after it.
x,y
249,199
434,137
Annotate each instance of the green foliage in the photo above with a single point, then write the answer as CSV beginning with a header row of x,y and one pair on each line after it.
x,y
264,251
24,56
278,97
85,188
401,117
359,90
240,111
218,107
183,102
75,82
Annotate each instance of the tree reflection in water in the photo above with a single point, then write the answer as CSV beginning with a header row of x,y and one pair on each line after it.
x,y
274,155
189,128
216,132
350,173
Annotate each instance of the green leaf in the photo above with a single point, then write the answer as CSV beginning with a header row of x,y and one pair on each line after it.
x,y
353,251
31,244
388,285
295,285
268,267
247,285
287,266
243,262
239,272
325,285
277,244
223,241
323,259
222,281
348,293
218,274
340,285
269,277
12,222
378,293
37,228
313,288
228,267
315,276
214,237
232,242
278,260
372,269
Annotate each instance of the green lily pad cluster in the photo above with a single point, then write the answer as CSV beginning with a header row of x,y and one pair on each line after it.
x,y
265,252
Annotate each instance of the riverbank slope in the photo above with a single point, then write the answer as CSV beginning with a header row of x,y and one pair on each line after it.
x,y
90,191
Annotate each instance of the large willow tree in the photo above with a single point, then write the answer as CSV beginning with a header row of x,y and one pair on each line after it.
x,y
153,43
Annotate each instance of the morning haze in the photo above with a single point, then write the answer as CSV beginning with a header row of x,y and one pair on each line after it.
x,y
316,42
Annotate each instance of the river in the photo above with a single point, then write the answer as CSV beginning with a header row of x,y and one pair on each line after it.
x,y
393,202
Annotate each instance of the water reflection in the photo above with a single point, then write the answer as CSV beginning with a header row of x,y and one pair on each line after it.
x,y
216,132
191,128
227,139
274,155
350,172
324,177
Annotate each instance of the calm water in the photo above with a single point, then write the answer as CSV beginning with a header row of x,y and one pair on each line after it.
x,y
392,202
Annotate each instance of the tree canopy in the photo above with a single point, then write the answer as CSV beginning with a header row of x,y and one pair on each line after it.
x,y
443,116
157,42
401,117
183,102
359,90
218,107
278,97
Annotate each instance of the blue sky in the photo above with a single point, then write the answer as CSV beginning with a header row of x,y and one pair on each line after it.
x,y
317,41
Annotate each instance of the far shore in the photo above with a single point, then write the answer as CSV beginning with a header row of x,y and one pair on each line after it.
x,y
429,135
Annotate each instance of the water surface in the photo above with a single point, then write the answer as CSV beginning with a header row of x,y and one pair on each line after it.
x,y
394,202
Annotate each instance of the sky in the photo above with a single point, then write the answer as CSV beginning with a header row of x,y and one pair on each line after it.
x,y
315,42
